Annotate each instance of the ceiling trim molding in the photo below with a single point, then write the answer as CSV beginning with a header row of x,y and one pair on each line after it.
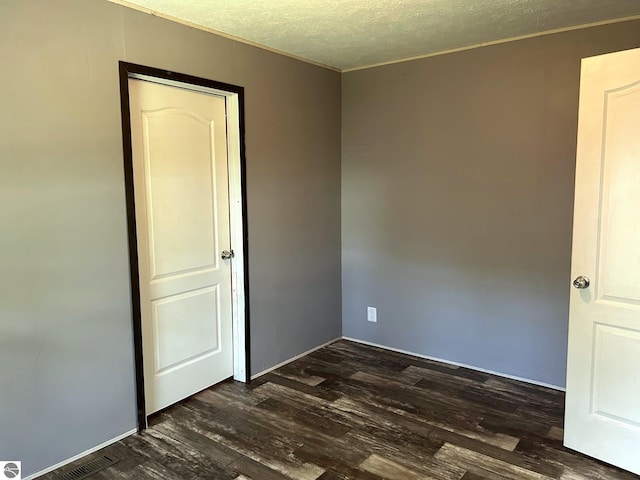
x,y
496,42
228,36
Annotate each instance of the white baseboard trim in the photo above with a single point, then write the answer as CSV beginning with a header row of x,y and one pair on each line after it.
x,y
457,364
282,364
80,455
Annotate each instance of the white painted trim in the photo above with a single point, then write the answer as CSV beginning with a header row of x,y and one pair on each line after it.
x,y
228,36
457,364
282,364
80,455
236,231
236,226
495,42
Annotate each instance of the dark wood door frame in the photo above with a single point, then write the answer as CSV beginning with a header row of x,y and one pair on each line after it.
x,y
128,70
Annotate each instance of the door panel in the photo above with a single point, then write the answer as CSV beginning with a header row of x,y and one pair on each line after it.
x,y
180,194
616,360
197,333
619,264
602,416
182,219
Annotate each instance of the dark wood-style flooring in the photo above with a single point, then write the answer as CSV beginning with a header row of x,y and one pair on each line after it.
x,y
349,411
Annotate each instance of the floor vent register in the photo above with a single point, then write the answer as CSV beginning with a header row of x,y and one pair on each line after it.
x,y
89,468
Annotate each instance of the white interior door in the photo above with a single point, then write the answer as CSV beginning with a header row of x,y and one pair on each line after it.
x,y
603,379
179,144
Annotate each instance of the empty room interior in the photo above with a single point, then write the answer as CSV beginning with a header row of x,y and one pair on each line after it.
x,y
414,278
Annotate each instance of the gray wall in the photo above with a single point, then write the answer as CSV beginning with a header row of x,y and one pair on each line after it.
x,y
66,366
457,200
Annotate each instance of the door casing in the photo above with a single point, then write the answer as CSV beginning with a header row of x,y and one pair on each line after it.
x,y
234,96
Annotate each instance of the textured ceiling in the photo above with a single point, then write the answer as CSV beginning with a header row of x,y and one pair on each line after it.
x,y
350,34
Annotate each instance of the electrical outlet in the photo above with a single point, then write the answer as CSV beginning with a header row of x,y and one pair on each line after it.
x,y
372,314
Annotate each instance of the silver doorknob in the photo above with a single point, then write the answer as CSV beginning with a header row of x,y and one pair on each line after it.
x,y
581,282
227,254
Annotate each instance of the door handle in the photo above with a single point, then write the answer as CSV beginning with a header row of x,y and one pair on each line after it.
x,y
227,254
581,282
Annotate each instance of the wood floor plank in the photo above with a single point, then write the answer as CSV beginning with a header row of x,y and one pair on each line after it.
x,y
480,463
309,417
531,394
297,371
486,397
458,377
369,359
414,457
475,476
555,433
388,469
217,452
182,459
254,469
230,394
301,387
517,424
315,365
335,464
541,466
